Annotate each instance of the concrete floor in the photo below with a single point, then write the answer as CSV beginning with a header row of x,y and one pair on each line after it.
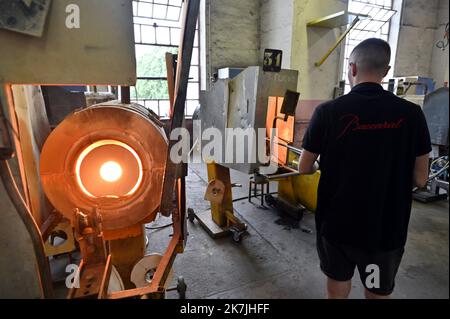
x,y
279,260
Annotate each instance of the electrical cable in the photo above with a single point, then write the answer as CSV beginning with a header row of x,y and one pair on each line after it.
x,y
246,197
158,227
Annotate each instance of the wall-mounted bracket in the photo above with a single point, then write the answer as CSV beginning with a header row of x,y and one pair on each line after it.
x,y
336,20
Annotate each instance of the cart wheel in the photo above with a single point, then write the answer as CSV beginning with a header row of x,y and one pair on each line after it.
x,y
270,200
191,215
236,235
181,288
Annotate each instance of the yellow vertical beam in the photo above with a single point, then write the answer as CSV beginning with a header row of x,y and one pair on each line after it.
x,y
218,211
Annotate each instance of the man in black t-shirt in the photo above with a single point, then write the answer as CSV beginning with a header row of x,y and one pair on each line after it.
x,y
373,147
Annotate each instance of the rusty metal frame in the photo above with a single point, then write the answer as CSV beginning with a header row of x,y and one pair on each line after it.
x,y
172,172
156,289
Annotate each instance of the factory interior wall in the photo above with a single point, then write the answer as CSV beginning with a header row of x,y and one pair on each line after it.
x,y
232,34
237,32
440,58
418,55
309,45
276,27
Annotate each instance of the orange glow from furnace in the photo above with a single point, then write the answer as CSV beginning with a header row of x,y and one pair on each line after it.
x,y
111,172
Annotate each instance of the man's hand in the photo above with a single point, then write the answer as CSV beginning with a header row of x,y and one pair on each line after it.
x,y
307,163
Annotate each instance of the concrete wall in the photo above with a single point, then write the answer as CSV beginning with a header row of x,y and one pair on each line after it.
x,y
233,37
309,45
277,18
417,38
440,58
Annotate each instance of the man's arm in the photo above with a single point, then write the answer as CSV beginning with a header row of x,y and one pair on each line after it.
x,y
421,171
313,142
307,163
423,149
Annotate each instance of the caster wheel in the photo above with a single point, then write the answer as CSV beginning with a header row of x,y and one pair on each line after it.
x,y
181,288
270,200
191,215
237,235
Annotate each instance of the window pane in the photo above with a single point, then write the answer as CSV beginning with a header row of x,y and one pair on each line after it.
x,y
151,60
145,9
152,105
157,31
148,34
175,36
193,91
135,8
376,25
193,74
194,57
173,13
164,108
137,33
159,12
191,107
152,89
175,2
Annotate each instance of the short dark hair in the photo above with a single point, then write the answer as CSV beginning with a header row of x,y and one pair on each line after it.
x,y
372,55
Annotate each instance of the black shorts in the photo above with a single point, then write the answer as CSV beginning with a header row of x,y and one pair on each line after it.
x,y
377,270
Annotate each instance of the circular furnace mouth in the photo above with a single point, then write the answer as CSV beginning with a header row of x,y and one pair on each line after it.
x,y
108,169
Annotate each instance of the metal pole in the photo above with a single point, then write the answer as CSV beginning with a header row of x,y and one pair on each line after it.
x,y
125,95
341,38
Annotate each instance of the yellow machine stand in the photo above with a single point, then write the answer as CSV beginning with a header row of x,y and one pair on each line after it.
x,y
220,221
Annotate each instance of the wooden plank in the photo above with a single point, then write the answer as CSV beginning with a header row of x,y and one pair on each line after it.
x,y
170,79
33,129
190,15
13,121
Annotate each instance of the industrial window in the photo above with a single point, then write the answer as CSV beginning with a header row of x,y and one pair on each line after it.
x,y
377,25
157,29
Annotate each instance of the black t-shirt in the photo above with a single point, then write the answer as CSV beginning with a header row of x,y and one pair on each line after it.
x,y
368,141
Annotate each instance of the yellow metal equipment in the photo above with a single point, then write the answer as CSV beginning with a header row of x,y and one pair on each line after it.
x,y
220,220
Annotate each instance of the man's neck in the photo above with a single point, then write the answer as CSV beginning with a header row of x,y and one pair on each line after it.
x,y
368,80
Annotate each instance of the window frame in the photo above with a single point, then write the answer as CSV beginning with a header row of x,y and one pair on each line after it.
x,y
161,106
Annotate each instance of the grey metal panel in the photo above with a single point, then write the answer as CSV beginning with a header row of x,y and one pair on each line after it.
x,y
229,73
246,105
214,113
242,112
100,52
435,107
